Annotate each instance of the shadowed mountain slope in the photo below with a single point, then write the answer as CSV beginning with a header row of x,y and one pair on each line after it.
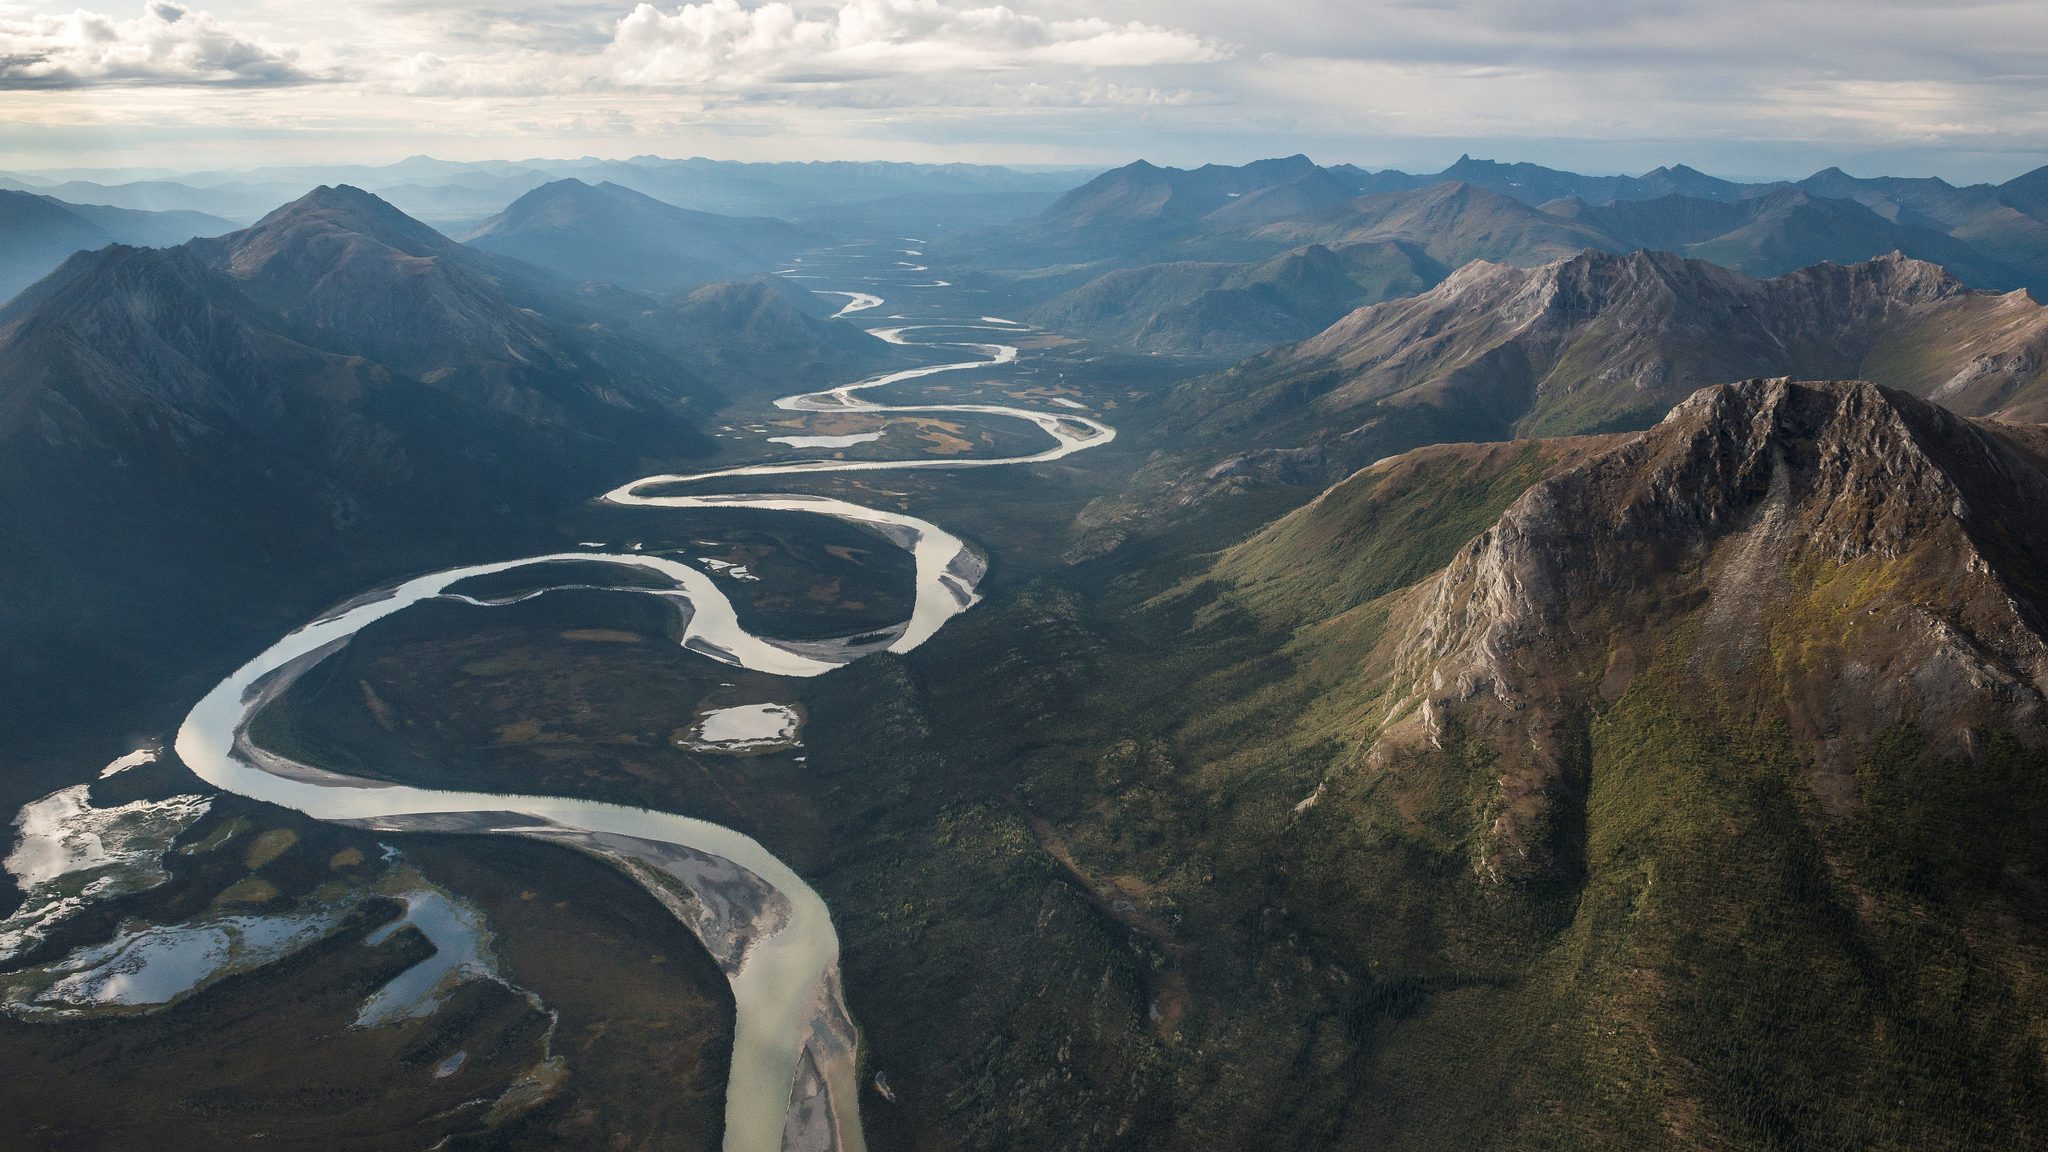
x,y
321,399
1788,229
1454,223
761,336
38,232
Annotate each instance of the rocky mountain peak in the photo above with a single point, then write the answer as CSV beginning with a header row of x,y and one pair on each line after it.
x,y
1895,276
1835,553
350,273
328,211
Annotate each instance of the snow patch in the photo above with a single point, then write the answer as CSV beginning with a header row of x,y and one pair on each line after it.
x,y
826,441
68,854
135,759
745,727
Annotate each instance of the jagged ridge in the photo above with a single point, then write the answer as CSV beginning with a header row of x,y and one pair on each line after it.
x,y
1600,341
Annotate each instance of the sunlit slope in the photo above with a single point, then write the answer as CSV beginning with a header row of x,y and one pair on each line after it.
x,y
1720,751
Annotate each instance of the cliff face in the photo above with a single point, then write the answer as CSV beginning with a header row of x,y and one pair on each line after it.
x,y
1839,557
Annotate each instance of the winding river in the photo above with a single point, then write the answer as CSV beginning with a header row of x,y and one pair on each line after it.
x,y
793,1080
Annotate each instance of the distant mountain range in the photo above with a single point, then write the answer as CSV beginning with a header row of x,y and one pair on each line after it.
x,y
37,232
460,194
1600,340
1162,220
1593,343
648,224
657,225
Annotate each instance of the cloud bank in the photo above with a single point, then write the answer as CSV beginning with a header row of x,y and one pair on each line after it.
x,y
167,44
1752,87
722,43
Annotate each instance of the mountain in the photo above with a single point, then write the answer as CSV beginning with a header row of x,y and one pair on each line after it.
x,y
1217,309
1674,789
1143,198
610,233
1744,511
760,337
1180,226
1535,184
1141,216
918,197
1683,180
1200,191
1783,230
148,229
38,231
1367,183
2027,193
1707,734
1522,213
1763,235
1601,341
1979,215
238,201
1453,223
332,395
1316,190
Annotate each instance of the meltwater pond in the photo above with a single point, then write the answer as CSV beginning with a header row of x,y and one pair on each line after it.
x,y
456,930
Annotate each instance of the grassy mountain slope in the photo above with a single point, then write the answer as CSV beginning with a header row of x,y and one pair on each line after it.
x,y
1244,889
1217,308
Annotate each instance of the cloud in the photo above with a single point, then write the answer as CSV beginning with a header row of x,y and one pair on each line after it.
x,y
721,43
167,44
507,74
1751,87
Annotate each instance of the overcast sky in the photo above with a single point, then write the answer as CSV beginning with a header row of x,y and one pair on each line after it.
x,y
1743,88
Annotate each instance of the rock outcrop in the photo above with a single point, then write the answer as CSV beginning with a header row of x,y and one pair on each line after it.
x,y
1839,556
